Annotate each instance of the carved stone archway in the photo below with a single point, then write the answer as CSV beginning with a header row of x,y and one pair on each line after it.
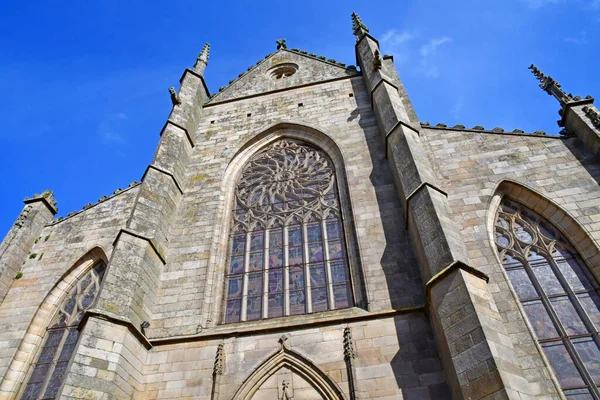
x,y
298,364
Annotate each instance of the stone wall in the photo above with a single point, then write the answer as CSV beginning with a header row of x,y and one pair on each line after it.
x,y
472,165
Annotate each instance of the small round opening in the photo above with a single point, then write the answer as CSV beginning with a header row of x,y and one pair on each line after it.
x,y
282,71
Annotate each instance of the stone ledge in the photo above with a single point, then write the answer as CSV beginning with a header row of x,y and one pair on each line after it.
x,y
283,324
169,122
455,265
163,171
117,320
150,240
414,192
383,79
187,70
206,105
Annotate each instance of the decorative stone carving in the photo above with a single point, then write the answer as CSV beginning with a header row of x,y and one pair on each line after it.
x,y
349,351
219,366
359,29
593,115
377,60
23,216
284,342
281,44
174,96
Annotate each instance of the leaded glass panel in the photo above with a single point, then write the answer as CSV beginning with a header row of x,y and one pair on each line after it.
x,y
287,252
60,342
558,294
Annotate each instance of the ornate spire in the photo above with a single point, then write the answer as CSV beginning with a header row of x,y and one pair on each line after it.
x,y
202,60
552,87
281,44
358,27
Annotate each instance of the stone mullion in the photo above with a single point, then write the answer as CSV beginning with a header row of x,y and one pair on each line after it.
x,y
265,306
54,361
564,337
305,258
286,272
324,238
575,301
244,311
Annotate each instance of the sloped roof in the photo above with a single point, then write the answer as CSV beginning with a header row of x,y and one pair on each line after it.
x,y
263,77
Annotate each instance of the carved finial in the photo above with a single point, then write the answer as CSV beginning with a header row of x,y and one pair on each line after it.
x,y
284,341
281,44
174,96
550,86
349,351
358,27
202,60
377,60
219,366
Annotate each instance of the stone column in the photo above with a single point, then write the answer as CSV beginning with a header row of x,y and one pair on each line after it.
x,y
478,356
21,237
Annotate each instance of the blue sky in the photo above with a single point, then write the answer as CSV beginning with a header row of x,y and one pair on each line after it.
x,y
85,83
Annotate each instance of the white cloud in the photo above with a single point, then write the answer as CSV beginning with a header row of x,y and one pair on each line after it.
x,y
109,127
394,38
431,47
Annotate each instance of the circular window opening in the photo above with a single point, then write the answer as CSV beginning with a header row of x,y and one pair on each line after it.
x,y
282,71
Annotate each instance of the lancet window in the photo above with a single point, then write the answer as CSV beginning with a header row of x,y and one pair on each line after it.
x,y
287,249
558,294
61,338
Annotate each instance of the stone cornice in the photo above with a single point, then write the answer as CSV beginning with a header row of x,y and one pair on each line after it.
x,y
189,71
138,235
163,171
175,124
117,320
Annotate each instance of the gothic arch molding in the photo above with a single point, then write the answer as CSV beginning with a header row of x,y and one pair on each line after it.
x,y
297,363
578,236
28,349
275,132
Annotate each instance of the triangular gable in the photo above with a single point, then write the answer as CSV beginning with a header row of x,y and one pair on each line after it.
x,y
280,70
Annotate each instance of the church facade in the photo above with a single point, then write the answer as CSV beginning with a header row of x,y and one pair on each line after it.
x,y
301,234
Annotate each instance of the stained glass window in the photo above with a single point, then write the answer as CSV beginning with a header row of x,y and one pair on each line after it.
x,y
558,294
287,250
51,367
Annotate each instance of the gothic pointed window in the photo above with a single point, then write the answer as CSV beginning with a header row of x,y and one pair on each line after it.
x,y
61,338
287,250
558,294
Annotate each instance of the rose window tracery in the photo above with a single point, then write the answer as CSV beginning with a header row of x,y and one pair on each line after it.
x,y
287,244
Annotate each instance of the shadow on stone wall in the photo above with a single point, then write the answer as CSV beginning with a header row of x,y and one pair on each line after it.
x,y
417,366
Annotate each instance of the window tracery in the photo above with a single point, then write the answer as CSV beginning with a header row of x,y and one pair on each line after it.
x,y
287,251
558,294
61,338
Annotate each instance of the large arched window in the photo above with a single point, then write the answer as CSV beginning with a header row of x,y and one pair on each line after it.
x,y
50,369
558,294
287,250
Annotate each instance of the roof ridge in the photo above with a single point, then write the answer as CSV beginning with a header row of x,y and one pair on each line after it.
x,y
330,61
479,128
86,207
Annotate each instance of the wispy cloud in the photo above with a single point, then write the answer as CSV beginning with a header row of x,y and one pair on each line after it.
x,y
110,128
430,48
394,38
458,107
428,51
541,3
579,39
